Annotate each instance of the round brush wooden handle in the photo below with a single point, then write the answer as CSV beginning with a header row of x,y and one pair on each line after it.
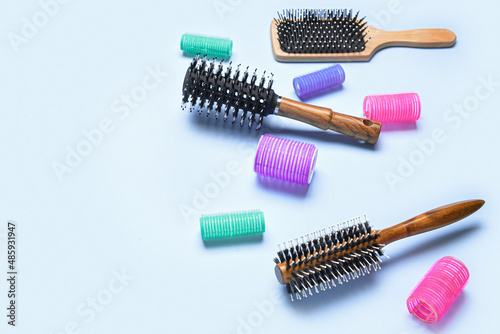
x,y
326,119
429,220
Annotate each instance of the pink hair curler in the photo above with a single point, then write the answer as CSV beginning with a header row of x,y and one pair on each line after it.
x,y
403,107
285,159
438,289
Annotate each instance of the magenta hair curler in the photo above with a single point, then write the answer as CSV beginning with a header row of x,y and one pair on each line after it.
x,y
286,160
439,288
403,107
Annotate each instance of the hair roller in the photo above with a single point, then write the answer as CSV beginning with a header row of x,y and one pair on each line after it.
x,y
232,224
319,81
207,45
403,107
439,288
285,159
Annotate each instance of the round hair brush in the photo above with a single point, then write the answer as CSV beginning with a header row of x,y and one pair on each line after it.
x,y
209,86
352,249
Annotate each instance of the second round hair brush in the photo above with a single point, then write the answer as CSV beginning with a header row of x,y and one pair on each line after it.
x,y
323,258
208,85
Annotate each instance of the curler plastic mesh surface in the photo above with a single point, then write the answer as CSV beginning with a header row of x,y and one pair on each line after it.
x,y
403,107
439,288
225,225
207,45
284,159
319,81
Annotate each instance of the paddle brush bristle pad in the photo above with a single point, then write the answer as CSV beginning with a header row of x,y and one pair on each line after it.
x,y
320,31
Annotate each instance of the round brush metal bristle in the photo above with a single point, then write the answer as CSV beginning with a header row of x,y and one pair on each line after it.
x,y
226,225
321,31
325,258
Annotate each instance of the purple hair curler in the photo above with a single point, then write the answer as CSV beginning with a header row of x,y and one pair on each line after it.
x,y
319,81
285,159
439,288
403,107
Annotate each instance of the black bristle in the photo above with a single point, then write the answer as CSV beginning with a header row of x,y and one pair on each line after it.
x,y
281,256
351,232
287,255
320,31
293,253
328,240
208,86
367,227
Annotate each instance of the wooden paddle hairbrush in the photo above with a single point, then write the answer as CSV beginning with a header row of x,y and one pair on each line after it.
x,y
352,249
314,35
208,86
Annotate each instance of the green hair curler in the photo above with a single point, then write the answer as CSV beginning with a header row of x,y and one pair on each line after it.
x,y
221,48
232,224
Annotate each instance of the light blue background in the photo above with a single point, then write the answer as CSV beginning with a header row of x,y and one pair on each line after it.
x,y
112,228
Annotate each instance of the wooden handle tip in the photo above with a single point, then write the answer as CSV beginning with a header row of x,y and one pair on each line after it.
x,y
474,204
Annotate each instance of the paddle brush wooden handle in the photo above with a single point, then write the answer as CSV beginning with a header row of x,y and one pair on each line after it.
x,y
429,220
326,119
417,38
